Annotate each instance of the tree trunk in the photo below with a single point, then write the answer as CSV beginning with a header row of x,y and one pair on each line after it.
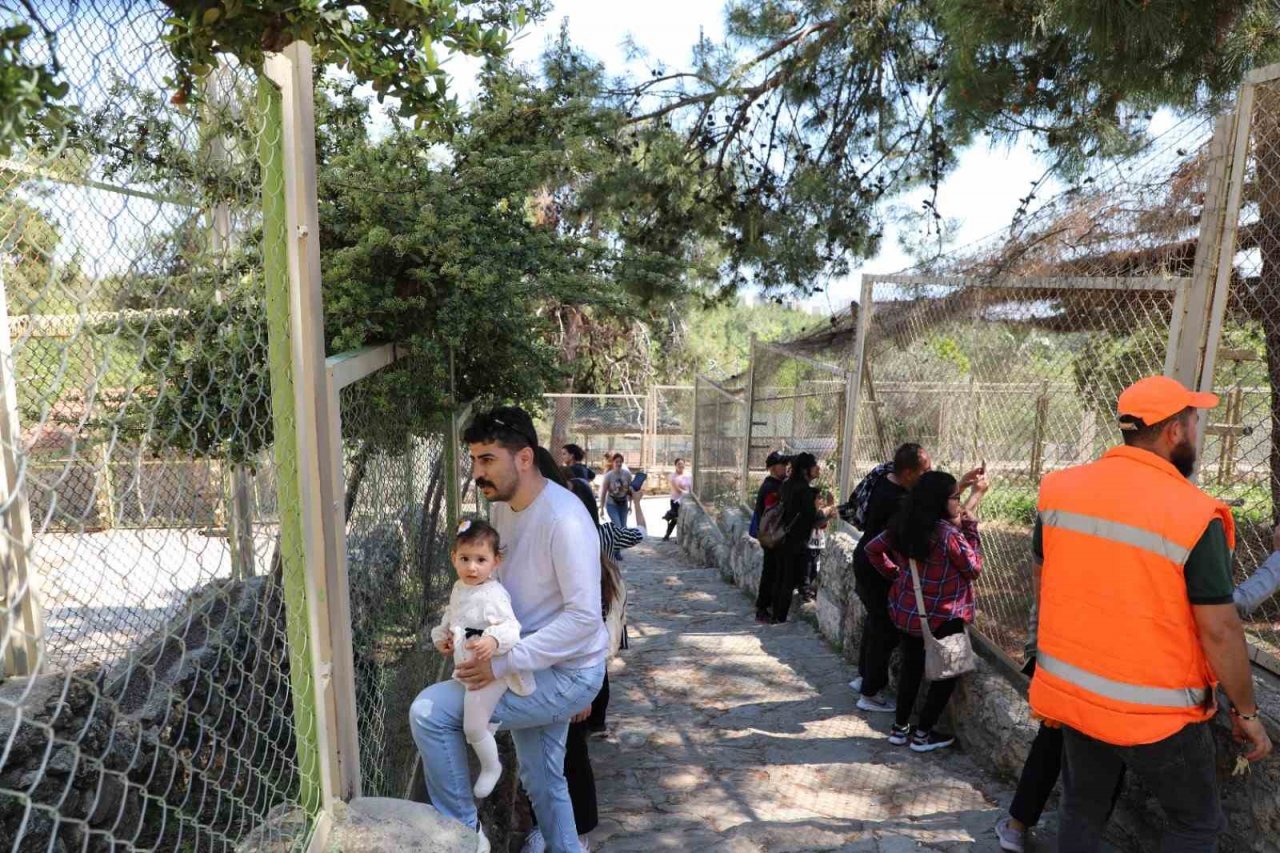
x,y
571,339
428,531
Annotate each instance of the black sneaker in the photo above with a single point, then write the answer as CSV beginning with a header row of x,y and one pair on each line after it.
x,y
763,618
929,741
898,734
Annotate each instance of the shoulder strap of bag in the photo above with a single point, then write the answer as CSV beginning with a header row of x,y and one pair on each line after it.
x,y
924,617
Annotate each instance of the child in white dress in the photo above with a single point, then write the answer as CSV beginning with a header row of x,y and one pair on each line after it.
x,y
480,607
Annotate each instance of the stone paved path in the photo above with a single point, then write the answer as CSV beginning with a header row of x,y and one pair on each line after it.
x,y
730,737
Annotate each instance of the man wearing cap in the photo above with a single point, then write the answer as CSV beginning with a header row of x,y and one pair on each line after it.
x,y
768,495
551,569
1137,625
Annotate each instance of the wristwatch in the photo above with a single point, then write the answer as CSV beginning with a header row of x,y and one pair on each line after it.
x,y
1249,718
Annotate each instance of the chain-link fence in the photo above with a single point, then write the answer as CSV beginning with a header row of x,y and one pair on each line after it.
x,y
399,502
650,430
796,405
152,693
1018,375
671,427
1241,455
720,440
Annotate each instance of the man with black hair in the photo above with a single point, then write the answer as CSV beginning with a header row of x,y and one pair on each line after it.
x,y
552,573
1137,626
879,635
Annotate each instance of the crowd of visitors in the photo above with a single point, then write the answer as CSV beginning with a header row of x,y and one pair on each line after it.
x,y
1164,562
1118,583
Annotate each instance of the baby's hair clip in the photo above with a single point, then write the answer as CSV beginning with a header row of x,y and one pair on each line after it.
x,y
464,525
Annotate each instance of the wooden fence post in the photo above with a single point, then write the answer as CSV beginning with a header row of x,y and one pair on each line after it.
x,y
300,401
21,618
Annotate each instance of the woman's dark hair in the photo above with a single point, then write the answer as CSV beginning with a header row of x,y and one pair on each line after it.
x,y
477,532
915,525
549,467
607,572
576,453
580,488
800,465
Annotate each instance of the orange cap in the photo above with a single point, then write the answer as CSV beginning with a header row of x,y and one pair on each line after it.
x,y
1158,397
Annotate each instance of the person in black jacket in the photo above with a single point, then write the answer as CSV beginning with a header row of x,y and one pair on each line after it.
x,y
800,515
766,497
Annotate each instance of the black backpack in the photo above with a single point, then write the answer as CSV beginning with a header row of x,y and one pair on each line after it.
x,y
854,510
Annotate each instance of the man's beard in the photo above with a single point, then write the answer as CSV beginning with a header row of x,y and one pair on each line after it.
x,y
501,492
1183,458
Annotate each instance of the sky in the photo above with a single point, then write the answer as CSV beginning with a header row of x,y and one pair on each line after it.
x,y
982,193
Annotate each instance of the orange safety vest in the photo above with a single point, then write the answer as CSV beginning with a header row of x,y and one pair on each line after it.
x,y
1118,654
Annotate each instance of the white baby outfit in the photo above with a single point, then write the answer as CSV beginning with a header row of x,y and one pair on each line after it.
x,y
486,608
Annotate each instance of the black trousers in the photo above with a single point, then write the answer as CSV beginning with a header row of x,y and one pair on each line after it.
x,y
1179,770
811,567
673,518
1040,776
599,707
768,579
935,701
789,576
879,636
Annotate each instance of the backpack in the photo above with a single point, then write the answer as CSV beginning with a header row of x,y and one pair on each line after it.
x,y
854,510
772,530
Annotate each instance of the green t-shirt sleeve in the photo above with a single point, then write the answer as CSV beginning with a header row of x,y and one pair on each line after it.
x,y
1037,541
1208,569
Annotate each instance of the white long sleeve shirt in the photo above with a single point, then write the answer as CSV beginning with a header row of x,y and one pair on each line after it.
x,y
551,569
1259,586
487,608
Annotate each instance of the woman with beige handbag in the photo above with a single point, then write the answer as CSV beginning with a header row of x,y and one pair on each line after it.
x,y
932,553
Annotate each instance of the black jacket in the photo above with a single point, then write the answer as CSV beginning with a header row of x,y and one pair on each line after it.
x,y
799,513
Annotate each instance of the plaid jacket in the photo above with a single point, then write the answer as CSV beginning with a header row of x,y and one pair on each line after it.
x,y
946,577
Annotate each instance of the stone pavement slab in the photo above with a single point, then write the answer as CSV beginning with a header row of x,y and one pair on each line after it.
x,y
730,737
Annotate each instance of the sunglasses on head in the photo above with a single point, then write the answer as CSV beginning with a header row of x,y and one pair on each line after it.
x,y
517,430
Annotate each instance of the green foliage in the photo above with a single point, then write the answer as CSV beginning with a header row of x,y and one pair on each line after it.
x,y
29,91
1108,363
1011,504
393,45
716,339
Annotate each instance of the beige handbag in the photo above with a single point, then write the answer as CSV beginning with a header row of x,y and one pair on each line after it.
x,y
947,657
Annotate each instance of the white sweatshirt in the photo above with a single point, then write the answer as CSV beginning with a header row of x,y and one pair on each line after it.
x,y
484,607
551,569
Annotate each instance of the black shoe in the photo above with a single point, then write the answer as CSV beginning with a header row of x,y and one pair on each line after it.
x,y
929,741
763,618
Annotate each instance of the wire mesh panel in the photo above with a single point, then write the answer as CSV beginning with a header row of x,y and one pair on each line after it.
x,y
719,444
147,703
397,506
1240,462
598,423
671,426
1022,377
797,406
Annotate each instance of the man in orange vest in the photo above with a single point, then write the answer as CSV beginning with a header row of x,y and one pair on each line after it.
x,y
1137,625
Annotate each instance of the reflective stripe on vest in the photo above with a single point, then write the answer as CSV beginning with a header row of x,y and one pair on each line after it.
x,y
1134,694
1125,534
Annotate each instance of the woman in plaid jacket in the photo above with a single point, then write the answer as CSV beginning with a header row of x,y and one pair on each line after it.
x,y
936,530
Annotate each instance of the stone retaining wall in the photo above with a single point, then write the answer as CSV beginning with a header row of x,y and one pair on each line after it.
x,y
989,711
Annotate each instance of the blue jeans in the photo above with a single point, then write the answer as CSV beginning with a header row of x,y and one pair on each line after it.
x,y
617,512
538,724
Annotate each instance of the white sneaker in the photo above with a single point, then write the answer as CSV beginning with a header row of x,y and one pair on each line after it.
x,y
1011,839
482,843
535,843
879,702
856,684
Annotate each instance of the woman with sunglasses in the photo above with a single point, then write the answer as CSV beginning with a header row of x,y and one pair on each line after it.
x,y
936,530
